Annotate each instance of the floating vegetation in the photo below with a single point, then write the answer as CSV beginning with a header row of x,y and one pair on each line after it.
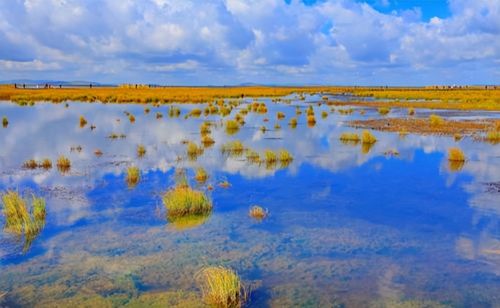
x,y
63,164
141,150
324,114
349,137
455,154
367,137
133,176
224,184
45,164
293,122
83,121
233,148
30,164
221,287
5,122
182,200
493,136
258,212
193,150
201,175
436,120
280,115
384,110
23,218
232,127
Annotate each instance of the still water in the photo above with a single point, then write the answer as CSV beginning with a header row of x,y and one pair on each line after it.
x,y
349,226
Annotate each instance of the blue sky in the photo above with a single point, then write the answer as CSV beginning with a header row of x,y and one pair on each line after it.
x,y
224,42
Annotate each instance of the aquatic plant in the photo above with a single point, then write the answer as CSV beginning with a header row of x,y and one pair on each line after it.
x,y
324,114
159,115
182,200
310,110
232,127
147,110
30,164
193,150
263,129
293,122
252,156
277,126
349,137
235,147
280,115
205,128
457,137
270,157
201,175
63,164
436,120
196,112
207,140
131,118
83,121
133,176
174,112
45,164
367,137
258,212
221,287
141,150
311,120
384,110
5,122
284,156
22,217
493,136
456,155
411,111
224,184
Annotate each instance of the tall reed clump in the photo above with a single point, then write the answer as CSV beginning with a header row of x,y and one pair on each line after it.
x,y
257,212
201,175
436,120
83,121
5,122
182,200
133,176
367,137
63,164
384,110
349,137
232,127
141,150
455,154
22,217
221,287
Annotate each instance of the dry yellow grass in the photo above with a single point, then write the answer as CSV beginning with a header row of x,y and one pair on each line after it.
x,y
367,137
141,150
455,154
221,287
63,164
201,175
133,176
182,200
349,137
258,212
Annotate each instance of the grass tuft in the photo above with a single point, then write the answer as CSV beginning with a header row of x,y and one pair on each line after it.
x,y
455,154
436,120
83,121
133,176
141,150
349,137
221,287
258,212
201,175
63,164
5,122
182,200
367,137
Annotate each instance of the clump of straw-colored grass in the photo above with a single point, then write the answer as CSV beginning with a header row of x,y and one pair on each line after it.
x,y
182,200
221,287
436,120
63,164
367,137
133,176
349,137
201,175
457,155
258,212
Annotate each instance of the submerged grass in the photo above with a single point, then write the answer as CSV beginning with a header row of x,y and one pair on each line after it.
x,y
221,287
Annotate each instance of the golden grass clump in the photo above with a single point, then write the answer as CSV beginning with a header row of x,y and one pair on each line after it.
x,y
30,164
174,111
207,140
193,150
23,217
258,212
411,111
221,287
349,137
131,118
232,126
205,128
493,136
5,122
293,122
201,175
63,164
284,156
253,157
311,120
141,150
235,147
436,120
83,121
45,164
182,200
384,110
367,137
270,157
310,110
195,112
133,176
280,115
324,114
455,154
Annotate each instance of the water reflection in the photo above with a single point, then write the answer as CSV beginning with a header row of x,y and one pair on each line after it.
x,y
349,224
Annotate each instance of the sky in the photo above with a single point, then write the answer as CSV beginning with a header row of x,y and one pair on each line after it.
x,y
230,42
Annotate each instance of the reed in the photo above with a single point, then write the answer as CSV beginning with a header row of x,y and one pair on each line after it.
x,y
411,111
141,150
207,140
367,137
63,164
252,156
258,212
270,157
284,156
493,136
182,200
195,112
221,287
311,120
133,176
235,147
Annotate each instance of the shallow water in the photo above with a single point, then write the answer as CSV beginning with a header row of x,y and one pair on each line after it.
x,y
348,226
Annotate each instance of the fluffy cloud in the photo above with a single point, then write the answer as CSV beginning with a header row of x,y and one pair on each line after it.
x,y
231,41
